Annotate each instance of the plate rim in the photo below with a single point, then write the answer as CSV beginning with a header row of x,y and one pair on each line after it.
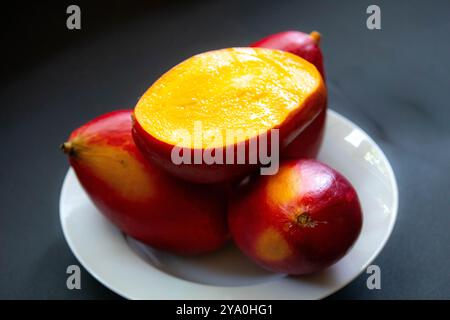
x,y
380,247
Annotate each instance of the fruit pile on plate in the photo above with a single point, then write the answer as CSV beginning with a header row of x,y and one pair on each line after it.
x,y
223,144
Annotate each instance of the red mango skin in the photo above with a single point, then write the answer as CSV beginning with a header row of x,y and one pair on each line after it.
x,y
307,144
299,221
299,43
159,152
146,203
306,46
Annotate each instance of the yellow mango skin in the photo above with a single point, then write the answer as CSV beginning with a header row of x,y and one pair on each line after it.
x,y
117,167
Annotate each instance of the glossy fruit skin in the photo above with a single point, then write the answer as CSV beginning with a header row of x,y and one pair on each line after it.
x,y
175,216
159,152
299,221
307,144
306,46
299,43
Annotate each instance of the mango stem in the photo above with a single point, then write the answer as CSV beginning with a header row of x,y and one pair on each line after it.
x,y
306,221
67,148
316,36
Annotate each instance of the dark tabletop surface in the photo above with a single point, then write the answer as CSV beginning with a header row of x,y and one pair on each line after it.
x,y
392,82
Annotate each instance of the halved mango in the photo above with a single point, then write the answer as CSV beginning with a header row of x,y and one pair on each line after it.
x,y
209,118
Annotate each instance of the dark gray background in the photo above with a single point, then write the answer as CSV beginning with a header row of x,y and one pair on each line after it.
x,y
393,82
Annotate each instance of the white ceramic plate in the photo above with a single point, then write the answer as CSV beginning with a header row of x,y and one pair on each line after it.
x,y
135,271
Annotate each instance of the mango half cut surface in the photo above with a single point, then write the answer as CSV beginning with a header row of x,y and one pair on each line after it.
x,y
200,119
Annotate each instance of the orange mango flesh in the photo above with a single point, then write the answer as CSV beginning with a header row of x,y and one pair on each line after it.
x,y
228,90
